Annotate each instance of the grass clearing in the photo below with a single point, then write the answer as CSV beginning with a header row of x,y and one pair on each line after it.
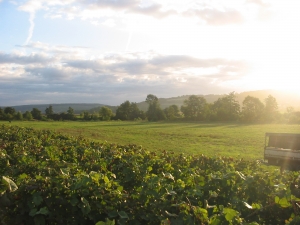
x,y
226,139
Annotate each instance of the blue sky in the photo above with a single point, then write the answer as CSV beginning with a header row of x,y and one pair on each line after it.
x,y
109,51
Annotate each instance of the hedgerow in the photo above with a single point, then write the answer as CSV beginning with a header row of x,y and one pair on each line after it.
x,y
49,178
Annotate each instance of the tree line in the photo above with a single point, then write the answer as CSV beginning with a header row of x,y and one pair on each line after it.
x,y
195,108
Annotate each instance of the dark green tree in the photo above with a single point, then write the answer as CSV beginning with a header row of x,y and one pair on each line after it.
x,y
172,112
1,114
36,114
10,110
70,114
105,113
135,112
19,116
27,116
226,108
49,112
9,113
194,108
129,111
252,110
154,112
123,111
86,115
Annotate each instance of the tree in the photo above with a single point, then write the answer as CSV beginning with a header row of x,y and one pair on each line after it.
x,y
172,112
1,114
123,111
135,112
19,116
226,108
154,112
70,114
194,108
9,113
27,115
36,114
253,109
105,113
9,110
271,109
94,116
129,111
86,115
49,111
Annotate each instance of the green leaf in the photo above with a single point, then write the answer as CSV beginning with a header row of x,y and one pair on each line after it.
x,y
11,185
120,188
106,180
113,214
37,199
230,214
123,215
256,206
23,176
94,175
43,211
32,212
38,177
107,222
215,221
213,194
283,202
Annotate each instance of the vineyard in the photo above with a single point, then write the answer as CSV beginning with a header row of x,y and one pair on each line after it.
x,y
50,178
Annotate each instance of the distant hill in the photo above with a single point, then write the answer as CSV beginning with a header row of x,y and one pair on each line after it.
x,y
58,108
284,100
97,109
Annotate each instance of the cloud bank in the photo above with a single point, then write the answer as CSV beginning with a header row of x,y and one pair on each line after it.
x,y
56,74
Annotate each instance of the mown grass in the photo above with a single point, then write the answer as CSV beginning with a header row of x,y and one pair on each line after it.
x,y
226,139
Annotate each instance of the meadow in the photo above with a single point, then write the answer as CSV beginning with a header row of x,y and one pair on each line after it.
x,y
211,139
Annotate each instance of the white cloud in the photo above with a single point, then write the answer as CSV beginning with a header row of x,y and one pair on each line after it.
x,y
56,69
211,12
109,23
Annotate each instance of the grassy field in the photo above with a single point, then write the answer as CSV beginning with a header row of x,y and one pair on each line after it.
x,y
236,140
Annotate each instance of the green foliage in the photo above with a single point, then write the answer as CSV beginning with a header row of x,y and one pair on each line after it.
x,y
19,116
172,112
154,113
226,108
105,113
253,110
49,178
194,108
36,114
27,116
129,111
49,111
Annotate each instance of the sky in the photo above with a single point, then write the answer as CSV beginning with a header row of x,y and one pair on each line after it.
x,y
110,51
